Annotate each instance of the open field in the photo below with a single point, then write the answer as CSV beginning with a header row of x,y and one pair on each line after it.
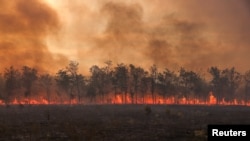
x,y
114,122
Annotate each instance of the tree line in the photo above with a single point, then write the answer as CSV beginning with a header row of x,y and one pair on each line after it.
x,y
125,80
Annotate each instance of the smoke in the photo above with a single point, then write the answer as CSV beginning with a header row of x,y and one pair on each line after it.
x,y
189,34
170,42
124,34
192,34
24,26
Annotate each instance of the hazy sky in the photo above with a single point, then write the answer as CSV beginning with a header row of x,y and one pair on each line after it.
x,y
194,34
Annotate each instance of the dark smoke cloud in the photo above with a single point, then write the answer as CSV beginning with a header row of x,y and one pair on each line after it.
x,y
24,25
195,37
171,42
124,35
193,34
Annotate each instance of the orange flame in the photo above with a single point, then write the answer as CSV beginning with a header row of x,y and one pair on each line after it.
x,y
212,98
120,99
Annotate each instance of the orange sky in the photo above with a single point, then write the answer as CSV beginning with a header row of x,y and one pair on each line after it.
x,y
194,34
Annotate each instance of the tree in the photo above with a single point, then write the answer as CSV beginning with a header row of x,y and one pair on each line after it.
x,y
29,75
225,83
247,85
135,75
12,82
72,69
1,87
97,81
216,83
46,82
231,81
77,81
121,79
91,92
108,74
192,85
63,81
80,86
153,77
70,81
167,83
144,85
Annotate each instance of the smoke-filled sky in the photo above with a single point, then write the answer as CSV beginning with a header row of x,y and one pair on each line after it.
x,y
193,34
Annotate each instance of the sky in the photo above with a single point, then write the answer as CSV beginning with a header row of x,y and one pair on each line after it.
x,y
194,34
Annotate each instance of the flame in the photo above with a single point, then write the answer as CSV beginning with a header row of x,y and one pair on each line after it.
x,y
121,98
212,98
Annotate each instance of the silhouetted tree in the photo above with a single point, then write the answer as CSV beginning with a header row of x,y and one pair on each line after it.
x,y
12,82
144,85
192,85
135,75
247,85
72,70
29,75
91,92
121,79
80,86
63,81
1,87
216,83
153,76
97,80
231,81
46,82
225,82
70,81
167,83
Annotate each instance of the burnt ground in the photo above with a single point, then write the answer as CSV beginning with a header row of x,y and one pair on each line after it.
x,y
115,122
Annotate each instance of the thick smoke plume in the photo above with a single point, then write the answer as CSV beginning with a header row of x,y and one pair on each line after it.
x,y
24,25
169,42
174,34
192,34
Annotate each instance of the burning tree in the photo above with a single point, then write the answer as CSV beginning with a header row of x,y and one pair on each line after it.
x,y
80,86
96,82
76,80
247,85
167,83
216,82
29,75
100,81
12,82
1,87
224,83
46,82
153,76
70,81
231,81
191,84
63,82
142,86
121,80
135,74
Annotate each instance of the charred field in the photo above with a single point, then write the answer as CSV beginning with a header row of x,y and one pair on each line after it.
x,y
115,122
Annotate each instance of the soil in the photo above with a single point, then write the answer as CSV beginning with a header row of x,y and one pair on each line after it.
x,y
115,122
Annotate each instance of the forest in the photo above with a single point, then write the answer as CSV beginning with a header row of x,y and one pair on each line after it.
x,y
123,84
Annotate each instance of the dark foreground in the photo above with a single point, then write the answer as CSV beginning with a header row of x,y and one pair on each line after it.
x,y
115,122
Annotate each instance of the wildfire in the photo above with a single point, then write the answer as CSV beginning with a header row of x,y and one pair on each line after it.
x,y
212,98
121,99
